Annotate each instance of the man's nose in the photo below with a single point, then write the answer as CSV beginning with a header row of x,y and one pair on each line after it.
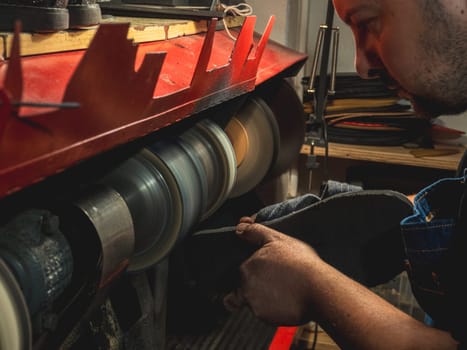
x,y
367,64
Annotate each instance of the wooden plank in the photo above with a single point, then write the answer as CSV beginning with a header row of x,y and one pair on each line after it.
x,y
392,155
141,30
304,339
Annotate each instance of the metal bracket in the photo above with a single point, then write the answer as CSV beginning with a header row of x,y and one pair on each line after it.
x,y
318,50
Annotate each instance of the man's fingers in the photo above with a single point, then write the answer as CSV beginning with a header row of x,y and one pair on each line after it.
x,y
256,234
247,219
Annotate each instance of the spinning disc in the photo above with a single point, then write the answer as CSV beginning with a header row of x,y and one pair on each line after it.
x,y
239,139
185,171
226,170
198,152
201,149
253,134
15,324
172,222
287,110
152,196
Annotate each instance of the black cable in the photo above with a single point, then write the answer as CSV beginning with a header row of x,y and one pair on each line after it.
x,y
324,84
315,337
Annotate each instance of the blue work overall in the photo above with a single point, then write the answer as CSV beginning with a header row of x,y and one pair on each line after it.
x,y
428,236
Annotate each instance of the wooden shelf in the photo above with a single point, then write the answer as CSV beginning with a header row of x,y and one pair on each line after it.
x,y
141,30
392,155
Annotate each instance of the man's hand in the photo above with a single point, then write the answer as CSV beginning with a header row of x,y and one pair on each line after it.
x,y
285,282
274,280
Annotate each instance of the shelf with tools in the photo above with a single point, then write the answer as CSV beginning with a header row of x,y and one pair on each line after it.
x,y
80,101
440,157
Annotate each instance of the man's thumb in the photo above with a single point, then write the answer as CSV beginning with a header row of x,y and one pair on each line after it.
x,y
256,234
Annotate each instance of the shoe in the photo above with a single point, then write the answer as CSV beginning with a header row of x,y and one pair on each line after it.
x,y
84,13
332,187
356,232
35,15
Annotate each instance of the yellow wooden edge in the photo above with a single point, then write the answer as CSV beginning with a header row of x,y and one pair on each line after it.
x,y
141,30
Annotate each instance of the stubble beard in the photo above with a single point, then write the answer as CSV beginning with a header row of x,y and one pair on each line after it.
x,y
443,68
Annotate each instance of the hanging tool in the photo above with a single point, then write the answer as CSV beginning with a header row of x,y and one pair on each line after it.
x,y
316,125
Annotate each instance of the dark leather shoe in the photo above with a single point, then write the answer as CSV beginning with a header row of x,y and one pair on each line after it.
x,y
84,13
35,15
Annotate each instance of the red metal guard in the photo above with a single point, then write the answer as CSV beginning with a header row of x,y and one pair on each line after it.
x,y
124,92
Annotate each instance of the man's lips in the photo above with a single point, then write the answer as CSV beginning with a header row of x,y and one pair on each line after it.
x,y
402,93
392,84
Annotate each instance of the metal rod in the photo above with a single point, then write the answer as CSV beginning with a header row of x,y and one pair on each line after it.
x,y
314,68
46,104
322,89
335,49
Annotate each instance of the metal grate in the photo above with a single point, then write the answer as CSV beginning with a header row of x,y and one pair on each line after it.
x,y
241,331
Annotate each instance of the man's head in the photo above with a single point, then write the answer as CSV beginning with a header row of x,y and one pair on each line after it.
x,y
418,46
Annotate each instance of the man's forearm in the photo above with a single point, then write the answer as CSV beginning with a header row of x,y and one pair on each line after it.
x,y
357,318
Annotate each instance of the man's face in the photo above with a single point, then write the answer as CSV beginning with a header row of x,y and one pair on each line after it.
x,y
418,46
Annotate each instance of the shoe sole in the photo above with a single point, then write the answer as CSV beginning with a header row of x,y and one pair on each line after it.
x,y
84,16
358,233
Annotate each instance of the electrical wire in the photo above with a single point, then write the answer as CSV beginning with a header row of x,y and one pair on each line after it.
x,y
315,337
241,9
